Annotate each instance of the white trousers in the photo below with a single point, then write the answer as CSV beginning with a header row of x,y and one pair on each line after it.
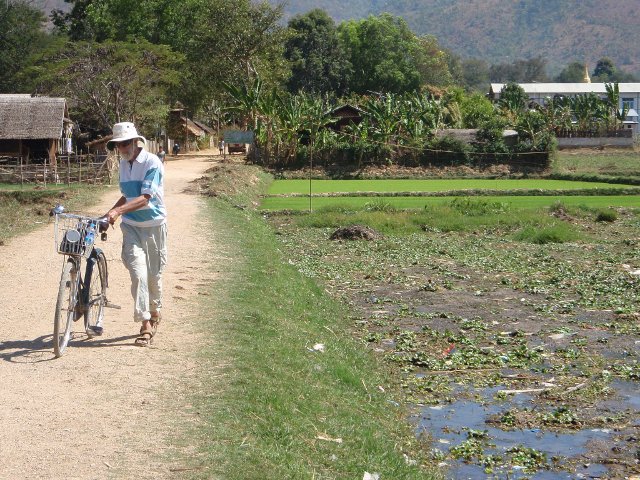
x,y
144,253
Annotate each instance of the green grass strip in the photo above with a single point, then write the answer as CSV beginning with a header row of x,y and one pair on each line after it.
x,y
280,187
523,201
23,210
280,407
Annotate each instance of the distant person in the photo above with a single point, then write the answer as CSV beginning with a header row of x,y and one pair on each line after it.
x,y
161,154
221,147
176,148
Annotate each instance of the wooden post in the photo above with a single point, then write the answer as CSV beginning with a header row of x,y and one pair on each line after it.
x,y
79,167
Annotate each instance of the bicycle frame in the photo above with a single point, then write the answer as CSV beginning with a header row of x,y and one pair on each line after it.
x,y
82,291
84,281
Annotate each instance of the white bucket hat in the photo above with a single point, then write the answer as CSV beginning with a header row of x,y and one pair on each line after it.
x,y
122,132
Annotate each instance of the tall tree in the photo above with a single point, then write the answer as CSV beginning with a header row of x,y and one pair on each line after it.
x,y
513,102
475,74
110,82
382,51
606,71
432,62
318,63
521,71
21,34
572,73
220,39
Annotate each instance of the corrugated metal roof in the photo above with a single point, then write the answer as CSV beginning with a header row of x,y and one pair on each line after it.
x,y
26,117
568,88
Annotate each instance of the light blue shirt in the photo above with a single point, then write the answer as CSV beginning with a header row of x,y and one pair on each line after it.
x,y
145,175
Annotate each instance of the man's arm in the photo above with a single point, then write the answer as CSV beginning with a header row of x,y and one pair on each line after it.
x,y
122,206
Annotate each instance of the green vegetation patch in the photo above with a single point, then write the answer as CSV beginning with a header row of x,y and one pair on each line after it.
x,y
280,187
359,203
24,210
475,293
298,397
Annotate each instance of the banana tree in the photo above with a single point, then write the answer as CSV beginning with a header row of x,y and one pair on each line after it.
x,y
247,100
384,119
587,110
617,114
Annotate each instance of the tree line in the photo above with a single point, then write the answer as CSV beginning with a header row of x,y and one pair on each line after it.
x,y
119,60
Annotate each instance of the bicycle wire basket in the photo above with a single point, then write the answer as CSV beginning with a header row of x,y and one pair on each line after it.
x,y
75,234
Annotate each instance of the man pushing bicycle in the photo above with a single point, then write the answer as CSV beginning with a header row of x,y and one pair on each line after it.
x,y
144,227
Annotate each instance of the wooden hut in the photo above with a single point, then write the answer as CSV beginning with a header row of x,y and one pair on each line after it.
x,y
344,115
34,128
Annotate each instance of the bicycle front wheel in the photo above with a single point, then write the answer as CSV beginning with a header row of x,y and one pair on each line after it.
x,y
65,307
95,282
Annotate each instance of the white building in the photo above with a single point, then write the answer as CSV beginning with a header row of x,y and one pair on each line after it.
x,y
538,92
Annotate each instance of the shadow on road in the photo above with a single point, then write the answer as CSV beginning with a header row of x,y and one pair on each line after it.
x,y
41,350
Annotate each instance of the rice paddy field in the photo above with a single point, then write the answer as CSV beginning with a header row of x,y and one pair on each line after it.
x,y
506,311
415,194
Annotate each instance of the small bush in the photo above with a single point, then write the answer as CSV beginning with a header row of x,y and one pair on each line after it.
x,y
558,233
558,207
379,206
606,215
473,207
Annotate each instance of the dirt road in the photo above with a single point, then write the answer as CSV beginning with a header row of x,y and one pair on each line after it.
x,y
106,409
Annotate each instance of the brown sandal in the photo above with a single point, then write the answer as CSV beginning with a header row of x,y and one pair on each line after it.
x,y
144,340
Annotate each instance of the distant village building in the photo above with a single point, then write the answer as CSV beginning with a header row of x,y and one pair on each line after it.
x,y
345,115
539,92
185,131
34,128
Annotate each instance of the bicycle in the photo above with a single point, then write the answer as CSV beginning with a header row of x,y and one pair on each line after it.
x,y
78,295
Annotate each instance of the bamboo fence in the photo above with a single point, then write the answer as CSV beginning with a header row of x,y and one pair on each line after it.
x,y
72,168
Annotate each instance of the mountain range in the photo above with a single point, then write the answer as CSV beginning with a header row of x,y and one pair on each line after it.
x,y
502,31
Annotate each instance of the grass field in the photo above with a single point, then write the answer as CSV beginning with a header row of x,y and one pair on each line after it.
x,y
528,202
614,163
281,187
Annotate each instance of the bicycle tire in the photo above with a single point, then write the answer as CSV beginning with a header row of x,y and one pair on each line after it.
x,y
95,284
65,307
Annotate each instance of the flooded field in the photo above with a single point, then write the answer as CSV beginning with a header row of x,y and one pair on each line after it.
x,y
516,359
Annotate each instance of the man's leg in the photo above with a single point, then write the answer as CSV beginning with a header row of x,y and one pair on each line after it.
x,y
135,259
156,261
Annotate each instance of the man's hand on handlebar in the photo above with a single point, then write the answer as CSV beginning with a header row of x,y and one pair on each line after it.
x,y
112,215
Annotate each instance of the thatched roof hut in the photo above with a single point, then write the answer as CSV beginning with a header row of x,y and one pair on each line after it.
x,y
33,127
344,115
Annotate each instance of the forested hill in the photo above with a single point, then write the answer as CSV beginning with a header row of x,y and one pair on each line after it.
x,y
499,31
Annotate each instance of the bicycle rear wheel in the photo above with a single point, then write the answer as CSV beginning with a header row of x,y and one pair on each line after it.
x,y
95,282
65,307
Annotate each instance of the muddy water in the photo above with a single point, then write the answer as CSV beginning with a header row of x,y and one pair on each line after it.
x,y
449,425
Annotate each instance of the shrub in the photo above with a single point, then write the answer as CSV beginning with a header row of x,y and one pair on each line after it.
x,y
447,150
473,207
379,206
606,215
558,233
